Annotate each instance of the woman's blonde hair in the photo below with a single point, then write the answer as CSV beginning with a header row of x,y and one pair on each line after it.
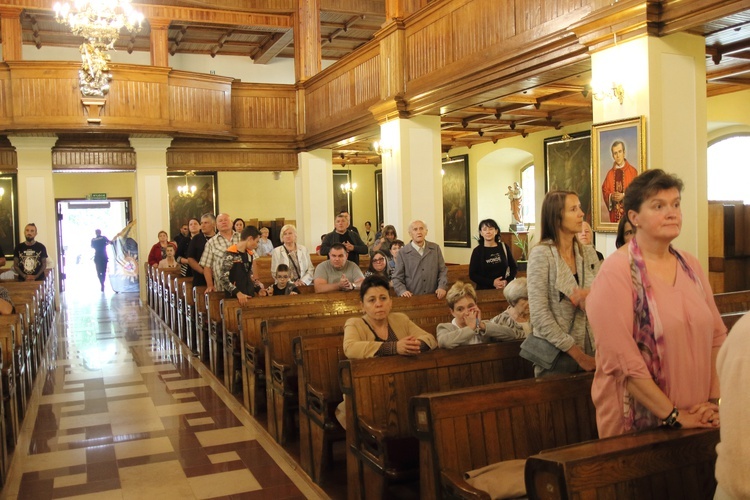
x,y
288,226
458,291
516,290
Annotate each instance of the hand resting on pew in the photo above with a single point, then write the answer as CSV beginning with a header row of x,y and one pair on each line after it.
x,y
380,333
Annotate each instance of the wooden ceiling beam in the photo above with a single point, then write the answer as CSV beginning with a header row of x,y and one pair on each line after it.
x,y
271,47
717,52
728,72
343,29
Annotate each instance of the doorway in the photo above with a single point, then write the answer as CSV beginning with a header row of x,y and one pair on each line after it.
x,y
76,222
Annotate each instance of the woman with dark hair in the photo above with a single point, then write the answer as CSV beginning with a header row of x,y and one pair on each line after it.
x,y
238,225
378,265
380,332
159,250
625,231
492,264
657,328
560,273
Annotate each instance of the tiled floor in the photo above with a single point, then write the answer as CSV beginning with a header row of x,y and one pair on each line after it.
x,y
122,412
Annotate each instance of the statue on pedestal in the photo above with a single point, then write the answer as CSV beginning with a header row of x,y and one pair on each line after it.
x,y
515,195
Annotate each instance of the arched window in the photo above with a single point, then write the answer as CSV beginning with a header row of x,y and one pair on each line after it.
x,y
729,168
528,185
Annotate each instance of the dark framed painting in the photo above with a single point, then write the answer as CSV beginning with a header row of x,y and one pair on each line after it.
x,y
342,197
619,155
9,230
379,211
456,231
567,167
190,195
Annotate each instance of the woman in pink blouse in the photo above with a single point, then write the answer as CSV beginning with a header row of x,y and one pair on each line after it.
x,y
655,322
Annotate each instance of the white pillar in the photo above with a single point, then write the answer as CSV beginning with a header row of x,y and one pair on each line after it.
x,y
313,185
151,197
36,192
412,184
665,81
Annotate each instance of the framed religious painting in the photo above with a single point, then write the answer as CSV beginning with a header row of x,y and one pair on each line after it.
x,y
618,156
567,161
190,195
342,192
456,231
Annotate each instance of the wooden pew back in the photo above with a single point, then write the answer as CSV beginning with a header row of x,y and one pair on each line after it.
x,y
732,302
468,429
655,464
380,446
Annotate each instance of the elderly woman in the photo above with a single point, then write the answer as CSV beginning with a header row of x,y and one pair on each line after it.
x,y
656,325
467,326
159,250
560,273
492,265
516,316
293,255
378,265
625,231
380,332
384,243
265,246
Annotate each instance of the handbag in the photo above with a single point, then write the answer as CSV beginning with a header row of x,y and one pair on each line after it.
x,y
540,352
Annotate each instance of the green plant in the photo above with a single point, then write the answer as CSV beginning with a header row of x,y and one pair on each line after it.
x,y
523,245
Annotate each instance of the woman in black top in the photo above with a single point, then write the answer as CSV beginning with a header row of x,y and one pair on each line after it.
x,y
492,264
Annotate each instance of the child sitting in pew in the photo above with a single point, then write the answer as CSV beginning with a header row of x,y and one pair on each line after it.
x,y
467,326
282,285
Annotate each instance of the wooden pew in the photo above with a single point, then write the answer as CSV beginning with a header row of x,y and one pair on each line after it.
x,y
468,429
730,319
317,358
655,464
9,326
458,272
201,322
179,291
300,306
189,305
232,351
380,447
732,302
263,266
215,332
165,278
277,336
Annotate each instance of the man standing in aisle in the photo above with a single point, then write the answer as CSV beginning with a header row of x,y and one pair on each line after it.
x,y
30,257
343,235
99,244
420,268
213,255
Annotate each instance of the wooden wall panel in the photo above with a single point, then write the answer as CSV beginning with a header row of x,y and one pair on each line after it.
x,y
230,157
343,93
264,111
47,92
197,102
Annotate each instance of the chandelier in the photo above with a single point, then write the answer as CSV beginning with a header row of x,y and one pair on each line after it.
x,y
187,191
348,188
99,22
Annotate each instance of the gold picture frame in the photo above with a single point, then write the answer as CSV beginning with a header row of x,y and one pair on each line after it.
x,y
609,141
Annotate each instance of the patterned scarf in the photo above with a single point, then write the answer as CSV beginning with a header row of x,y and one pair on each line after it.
x,y
648,335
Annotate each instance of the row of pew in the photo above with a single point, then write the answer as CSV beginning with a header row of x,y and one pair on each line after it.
x,y
424,420
23,338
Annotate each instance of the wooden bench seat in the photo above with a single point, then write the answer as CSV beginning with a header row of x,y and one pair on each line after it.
x,y
201,322
189,306
468,429
277,336
380,446
317,358
9,326
300,306
656,464
732,302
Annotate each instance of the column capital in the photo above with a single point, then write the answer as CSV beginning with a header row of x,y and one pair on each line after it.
x,y
7,11
159,22
33,143
150,143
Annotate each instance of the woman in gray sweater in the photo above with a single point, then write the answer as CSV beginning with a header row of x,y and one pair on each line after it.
x,y
560,272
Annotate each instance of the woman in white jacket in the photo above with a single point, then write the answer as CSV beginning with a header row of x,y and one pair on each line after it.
x,y
293,255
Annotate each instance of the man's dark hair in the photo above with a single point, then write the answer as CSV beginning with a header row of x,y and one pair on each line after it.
x,y
339,246
249,232
282,268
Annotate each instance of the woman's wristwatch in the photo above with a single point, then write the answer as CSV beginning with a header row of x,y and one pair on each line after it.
x,y
671,420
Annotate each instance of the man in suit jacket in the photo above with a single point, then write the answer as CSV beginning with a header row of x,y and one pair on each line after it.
x,y
420,268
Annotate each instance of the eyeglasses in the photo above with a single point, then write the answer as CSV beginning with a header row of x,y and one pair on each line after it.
x,y
381,259
282,276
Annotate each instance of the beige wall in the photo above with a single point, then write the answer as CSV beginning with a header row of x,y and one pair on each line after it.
x,y
256,195
77,186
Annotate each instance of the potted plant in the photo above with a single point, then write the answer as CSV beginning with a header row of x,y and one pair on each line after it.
x,y
524,245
